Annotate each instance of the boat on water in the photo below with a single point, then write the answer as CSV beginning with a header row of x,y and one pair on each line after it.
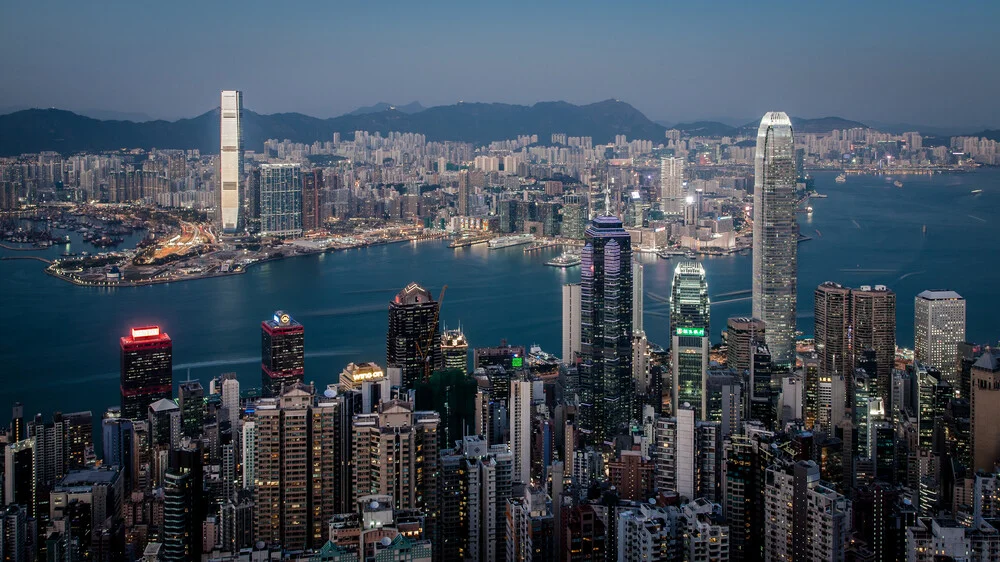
x,y
897,183
977,191
691,255
818,195
841,178
565,259
925,229
509,241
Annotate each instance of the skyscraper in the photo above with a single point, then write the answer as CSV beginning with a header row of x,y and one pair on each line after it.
x,y
454,351
798,510
282,353
832,330
191,399
183,515
606,329
775,235
873,326
939,326
146,370
301,466
281,200
741,333
689,324
413,341
312,199
231,160
570,322
984,404
672,185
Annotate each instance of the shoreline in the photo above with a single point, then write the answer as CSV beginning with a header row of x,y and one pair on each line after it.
x,y
211,275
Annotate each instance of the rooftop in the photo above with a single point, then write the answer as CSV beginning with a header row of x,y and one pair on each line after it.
x,y
413,294
939,295
989,360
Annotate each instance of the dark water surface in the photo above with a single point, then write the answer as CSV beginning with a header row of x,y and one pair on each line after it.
x,y
59,342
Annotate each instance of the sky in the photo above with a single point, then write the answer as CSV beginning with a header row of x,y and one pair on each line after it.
x,y
929,63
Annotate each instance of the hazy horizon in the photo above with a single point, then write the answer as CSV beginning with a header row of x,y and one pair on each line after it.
x,y
920,63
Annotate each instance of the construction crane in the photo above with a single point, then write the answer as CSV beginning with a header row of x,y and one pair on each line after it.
x,y
425,353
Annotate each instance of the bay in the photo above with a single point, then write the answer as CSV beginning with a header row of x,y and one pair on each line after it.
x,y
59,342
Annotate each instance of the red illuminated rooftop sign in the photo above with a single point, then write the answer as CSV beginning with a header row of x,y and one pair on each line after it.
x,y
146,332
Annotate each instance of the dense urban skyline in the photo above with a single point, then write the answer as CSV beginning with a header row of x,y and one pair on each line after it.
x,y
927,62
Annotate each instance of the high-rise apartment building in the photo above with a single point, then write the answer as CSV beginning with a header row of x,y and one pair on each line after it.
x,y
984,403
282,353
313,200
191,399
281,199
672,185
690,311
395,453
688,455
745,459
454,350
146,370
520,429
231,160
804,519
570,322
939,326
606,329
775,235
301,466
413,341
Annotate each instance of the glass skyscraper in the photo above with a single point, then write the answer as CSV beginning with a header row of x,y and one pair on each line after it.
x,y
282,353
775,235
281,199
231,159
606,329
689,325
146,370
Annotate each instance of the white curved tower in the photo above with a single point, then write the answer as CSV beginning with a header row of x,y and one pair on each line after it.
x,y
775,235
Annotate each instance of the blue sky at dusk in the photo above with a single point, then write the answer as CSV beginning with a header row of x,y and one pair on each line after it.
x,y
932,63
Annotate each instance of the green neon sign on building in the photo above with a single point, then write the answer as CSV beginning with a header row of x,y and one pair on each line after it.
x,y
697,332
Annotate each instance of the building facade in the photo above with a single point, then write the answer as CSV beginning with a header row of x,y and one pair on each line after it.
x,y
282,353
231,160
281,200
146,370
775,235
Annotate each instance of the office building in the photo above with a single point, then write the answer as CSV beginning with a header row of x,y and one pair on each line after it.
x,y
413,341
21,475
183,514
832,330
282,353
454,351
741,333
873,327
301,466
775,235
14,534
191,399
231,160
672,185
984,403
281,200
799,509
146,370
606,330
570,322
118,439
231,399
939,326
746,458
689,323
369,382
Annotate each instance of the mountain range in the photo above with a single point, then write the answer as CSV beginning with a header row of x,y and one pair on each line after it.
x,y
37,130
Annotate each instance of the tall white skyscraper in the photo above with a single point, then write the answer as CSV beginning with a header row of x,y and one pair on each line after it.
x,y
231,160
637,298
938,327
570,322
775,235
672,185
